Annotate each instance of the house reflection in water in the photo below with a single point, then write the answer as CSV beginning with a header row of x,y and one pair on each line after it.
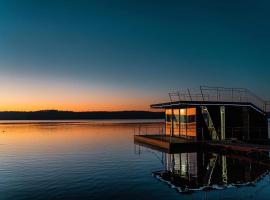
x,y
198,170
205,170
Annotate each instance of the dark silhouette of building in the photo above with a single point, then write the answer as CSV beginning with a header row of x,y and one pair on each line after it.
x,y
216,113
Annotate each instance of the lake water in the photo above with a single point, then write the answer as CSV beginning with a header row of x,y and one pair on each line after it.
x,y
99,160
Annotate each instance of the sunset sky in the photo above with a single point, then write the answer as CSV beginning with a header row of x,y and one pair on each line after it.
x,y
124,55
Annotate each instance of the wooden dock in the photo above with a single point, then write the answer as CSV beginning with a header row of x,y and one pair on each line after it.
x,y
172,144
167,143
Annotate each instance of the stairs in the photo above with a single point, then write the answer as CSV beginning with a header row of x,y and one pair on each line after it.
x,y
209,123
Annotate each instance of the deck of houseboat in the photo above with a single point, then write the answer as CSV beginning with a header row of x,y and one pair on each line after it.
x,y
171,144
166,143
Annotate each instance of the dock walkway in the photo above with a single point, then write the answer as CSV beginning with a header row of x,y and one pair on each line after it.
x,y
166,143
174,143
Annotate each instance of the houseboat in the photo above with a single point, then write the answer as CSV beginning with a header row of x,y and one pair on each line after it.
x,y
213,117
216,113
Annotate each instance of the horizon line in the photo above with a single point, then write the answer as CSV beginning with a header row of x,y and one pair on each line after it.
x,y
55,110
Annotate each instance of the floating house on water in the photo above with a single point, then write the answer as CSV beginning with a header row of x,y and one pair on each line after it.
x,y
216,113
213,136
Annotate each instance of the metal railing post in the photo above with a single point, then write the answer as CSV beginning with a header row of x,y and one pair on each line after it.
x,y
202,93
189,94
178,93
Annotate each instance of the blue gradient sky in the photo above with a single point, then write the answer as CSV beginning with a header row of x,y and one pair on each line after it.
x,y
118,55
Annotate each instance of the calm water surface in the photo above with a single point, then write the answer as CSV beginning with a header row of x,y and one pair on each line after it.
x,y
99,160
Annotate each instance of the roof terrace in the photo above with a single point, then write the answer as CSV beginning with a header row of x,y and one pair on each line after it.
x,y
206,95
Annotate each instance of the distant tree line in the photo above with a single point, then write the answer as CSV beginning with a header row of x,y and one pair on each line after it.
x,y
69,115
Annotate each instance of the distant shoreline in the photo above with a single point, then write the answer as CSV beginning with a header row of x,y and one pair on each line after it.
x,y
70,115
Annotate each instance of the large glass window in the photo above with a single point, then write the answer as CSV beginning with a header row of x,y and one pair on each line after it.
x,y
181,122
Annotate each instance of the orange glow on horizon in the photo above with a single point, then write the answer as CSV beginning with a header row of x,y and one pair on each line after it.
x,y
20,104
75,108
24,95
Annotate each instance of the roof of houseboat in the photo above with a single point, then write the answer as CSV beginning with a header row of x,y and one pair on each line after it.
x,y
211,96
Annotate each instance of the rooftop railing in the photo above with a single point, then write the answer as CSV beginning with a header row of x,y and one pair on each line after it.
x,y
220,94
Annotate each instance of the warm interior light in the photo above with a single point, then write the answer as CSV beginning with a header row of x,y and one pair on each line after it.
x,y
182,111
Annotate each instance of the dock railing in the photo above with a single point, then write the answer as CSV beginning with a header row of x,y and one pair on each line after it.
x,y
235,136
151,130
237,132
220,94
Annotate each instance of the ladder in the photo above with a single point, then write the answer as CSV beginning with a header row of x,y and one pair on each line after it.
x,y
209,123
